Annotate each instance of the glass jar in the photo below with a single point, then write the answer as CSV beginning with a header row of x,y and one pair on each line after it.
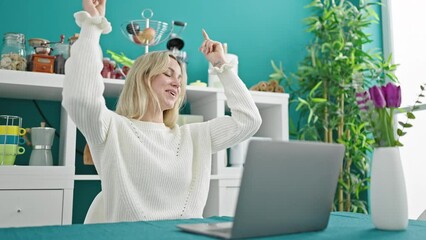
x,y
61,52
30,53
13,52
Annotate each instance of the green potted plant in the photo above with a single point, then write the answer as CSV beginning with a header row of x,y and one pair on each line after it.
x,y
325,96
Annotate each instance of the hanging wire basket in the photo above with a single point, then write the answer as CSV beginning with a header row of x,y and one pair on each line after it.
x,y
146,32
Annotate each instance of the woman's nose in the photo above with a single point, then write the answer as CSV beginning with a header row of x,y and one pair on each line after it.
x,y
176,83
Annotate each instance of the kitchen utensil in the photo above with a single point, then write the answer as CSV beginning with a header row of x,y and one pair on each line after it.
x,y
146,32
42,141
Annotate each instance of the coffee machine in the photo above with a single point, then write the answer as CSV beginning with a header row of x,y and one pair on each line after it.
x,y
41,141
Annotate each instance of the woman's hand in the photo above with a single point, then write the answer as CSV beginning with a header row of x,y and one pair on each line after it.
x,y
95,7
213,51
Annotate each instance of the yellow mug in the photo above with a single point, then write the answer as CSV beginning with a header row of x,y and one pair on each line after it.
x,y
12,130
11,149
7,159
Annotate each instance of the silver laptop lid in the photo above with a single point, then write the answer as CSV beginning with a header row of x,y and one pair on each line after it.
x,y
287,187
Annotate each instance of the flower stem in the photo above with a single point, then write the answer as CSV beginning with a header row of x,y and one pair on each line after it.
x,y
391,131
387,127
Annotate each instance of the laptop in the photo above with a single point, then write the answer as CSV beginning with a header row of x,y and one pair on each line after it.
x,y
286,187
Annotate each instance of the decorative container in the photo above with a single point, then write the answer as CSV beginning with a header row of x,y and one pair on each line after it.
x,y
388,195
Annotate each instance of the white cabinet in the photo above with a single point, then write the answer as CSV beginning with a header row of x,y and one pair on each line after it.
x,y
209,102
35,196
40,86
223,196
20,208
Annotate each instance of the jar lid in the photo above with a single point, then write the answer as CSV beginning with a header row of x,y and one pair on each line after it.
x,y
60,46
18,37
38,42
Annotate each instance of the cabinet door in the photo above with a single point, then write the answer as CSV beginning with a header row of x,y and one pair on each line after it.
x,y
228,192
30,207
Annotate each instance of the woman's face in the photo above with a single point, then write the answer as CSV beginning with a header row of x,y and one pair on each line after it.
x,y
167,85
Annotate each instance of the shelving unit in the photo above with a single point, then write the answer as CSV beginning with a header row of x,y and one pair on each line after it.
x,y
32,191
209,102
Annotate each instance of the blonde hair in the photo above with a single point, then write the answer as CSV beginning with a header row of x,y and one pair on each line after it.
x,y
137,90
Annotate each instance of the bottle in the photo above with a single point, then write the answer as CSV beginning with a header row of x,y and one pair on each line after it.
x,y
13,52
30,53
61,53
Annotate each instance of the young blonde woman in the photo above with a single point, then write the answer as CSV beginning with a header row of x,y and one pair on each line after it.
x,y
150,168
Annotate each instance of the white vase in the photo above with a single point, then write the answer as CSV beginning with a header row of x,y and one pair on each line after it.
x,y
388,196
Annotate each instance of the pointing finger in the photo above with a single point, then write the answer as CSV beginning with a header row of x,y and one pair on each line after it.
x,y
205,35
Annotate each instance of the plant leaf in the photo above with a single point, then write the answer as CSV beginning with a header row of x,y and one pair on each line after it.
x,y
274,66
319,100
311,93
400,132
410,115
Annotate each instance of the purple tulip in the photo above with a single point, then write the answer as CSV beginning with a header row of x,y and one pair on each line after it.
x,y
377,97
392,94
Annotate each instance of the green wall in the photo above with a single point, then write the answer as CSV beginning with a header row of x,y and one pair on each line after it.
x,y
258,31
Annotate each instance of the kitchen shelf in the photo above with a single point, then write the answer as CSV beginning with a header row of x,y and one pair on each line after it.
x,y
43,86
47,86
36,177
95,177
86,177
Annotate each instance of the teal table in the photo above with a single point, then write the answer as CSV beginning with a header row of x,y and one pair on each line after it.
x,y
341,226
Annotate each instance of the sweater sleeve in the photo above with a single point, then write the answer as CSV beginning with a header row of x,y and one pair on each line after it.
x,y
245,118
82,95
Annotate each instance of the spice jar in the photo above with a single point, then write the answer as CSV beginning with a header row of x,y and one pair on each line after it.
x,y
13,52
30,53
61,53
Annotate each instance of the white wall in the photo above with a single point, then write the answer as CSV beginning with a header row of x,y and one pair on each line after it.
x,y
405,37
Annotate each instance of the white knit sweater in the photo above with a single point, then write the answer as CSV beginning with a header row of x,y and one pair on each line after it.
x,y
147,170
